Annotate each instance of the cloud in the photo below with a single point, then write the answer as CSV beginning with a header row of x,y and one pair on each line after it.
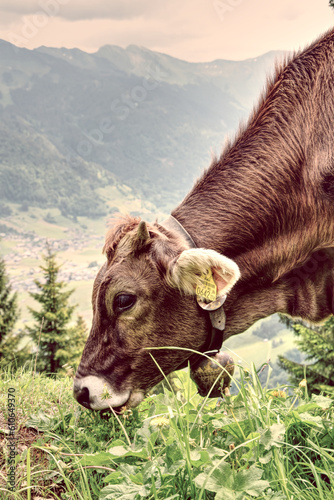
x,y
291,12
79,10
194,30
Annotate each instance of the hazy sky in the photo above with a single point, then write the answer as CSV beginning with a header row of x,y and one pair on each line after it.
x,y
194,30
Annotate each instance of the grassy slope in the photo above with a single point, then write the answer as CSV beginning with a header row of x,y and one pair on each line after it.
x,y
254,446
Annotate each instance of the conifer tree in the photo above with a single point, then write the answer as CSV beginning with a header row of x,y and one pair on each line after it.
x,y
52,334
8,316
317,342
75,343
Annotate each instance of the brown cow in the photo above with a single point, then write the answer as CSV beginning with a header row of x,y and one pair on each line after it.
x,y
265,207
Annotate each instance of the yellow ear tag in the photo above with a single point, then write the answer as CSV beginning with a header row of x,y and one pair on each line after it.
x,y
207,288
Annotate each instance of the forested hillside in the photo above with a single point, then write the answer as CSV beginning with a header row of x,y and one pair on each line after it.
x,y
72,122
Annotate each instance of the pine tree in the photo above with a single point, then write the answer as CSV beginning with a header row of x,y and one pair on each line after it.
x,y
317,342
75,343
8,316
52,333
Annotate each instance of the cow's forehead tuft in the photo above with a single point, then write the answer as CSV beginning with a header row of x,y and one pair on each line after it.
x,y
118,228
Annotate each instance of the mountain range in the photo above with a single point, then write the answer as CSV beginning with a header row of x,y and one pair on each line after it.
x,y
72,122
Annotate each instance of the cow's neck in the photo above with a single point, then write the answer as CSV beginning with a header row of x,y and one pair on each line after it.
x,y
259,206
305,292
256,213
283,273
264,202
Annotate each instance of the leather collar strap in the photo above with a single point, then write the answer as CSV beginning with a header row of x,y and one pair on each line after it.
x,y
217,316
171,224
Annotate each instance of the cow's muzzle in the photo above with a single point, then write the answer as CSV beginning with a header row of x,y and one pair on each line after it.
x,y
96,393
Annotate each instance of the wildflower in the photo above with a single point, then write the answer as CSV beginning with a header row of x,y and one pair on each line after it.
x,y
303,383
126,412
278,394
227,392
105,393
159,422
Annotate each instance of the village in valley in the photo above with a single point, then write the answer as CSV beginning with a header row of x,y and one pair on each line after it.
x,y
77,242
30,248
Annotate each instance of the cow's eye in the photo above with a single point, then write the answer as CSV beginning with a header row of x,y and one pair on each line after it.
x,y
123,302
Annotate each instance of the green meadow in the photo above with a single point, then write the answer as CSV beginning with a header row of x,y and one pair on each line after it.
x,y
259,444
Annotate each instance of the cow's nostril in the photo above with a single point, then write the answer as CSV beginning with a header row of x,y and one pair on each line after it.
x,y
82,396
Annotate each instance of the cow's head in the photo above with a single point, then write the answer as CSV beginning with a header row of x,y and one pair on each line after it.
x,y
144,297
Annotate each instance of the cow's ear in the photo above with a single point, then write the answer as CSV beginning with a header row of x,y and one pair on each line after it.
x,y
187,271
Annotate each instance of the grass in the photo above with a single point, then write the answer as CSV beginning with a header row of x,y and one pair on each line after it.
x,y
259,444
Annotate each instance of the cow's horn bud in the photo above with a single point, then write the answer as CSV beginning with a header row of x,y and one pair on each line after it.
x,y
142,232
142,236
215,372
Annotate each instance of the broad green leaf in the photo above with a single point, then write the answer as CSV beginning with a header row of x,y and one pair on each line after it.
x,y
307,407
113,454
192,417
220,424
123,491
221,475
178,384
272,436
310,419
127,484
265,459
232,485
126,451
114,478
171,470
173,453
216,452
199,457
250,481
102,458
43,422
121,449
226,494
137,478
322,401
